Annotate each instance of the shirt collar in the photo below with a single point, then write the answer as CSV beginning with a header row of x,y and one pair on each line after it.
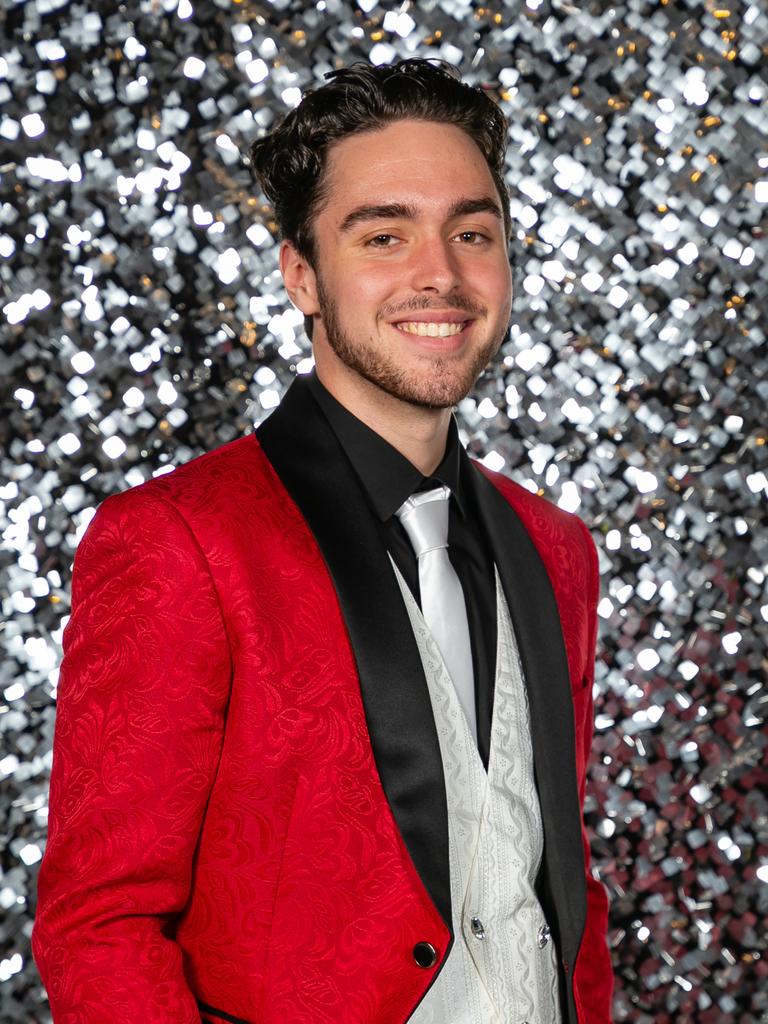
x,y
387,476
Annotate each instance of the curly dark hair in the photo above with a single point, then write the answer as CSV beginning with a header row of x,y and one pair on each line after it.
x,y
289,162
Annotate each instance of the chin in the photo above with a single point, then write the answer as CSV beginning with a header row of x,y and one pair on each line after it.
x,y
431,382
428,394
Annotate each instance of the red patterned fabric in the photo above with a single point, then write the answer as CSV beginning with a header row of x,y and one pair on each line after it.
x,y
218,831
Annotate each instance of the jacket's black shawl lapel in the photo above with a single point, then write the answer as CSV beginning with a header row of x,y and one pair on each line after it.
x,y
312,466
539,635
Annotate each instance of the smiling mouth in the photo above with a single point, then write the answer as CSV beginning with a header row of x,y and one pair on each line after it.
x,y
431,329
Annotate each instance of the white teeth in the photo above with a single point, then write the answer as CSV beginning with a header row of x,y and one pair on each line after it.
x,y
431,329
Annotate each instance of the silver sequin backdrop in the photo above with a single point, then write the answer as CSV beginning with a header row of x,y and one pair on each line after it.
x,y
143,321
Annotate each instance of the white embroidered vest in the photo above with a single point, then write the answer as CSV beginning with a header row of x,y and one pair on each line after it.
x,y
502,966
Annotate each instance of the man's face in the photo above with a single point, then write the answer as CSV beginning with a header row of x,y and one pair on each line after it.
x,y
412,281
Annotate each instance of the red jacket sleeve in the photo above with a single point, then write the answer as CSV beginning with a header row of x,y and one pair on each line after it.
x,y
593,978
141,704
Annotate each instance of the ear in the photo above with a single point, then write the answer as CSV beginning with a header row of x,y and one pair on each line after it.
x,y
299,278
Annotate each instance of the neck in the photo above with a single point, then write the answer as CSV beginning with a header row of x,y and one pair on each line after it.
x,y
416,432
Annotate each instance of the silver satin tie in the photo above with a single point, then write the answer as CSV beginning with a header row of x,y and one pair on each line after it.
x,y
425,519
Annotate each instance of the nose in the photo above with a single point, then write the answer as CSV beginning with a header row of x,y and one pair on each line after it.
x,y
435,267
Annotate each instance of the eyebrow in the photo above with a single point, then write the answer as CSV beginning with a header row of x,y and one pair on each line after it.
x,y
406,211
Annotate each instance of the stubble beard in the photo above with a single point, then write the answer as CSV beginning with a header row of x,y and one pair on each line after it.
x,y
444,386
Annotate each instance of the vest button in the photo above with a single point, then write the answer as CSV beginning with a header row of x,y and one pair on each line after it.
x,y
544,936
425,954
477,927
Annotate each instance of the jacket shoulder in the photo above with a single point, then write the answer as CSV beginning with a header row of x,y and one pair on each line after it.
x,y
536,509
222,474
562,539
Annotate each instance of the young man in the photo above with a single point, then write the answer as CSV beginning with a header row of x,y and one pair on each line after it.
x,y
325,707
